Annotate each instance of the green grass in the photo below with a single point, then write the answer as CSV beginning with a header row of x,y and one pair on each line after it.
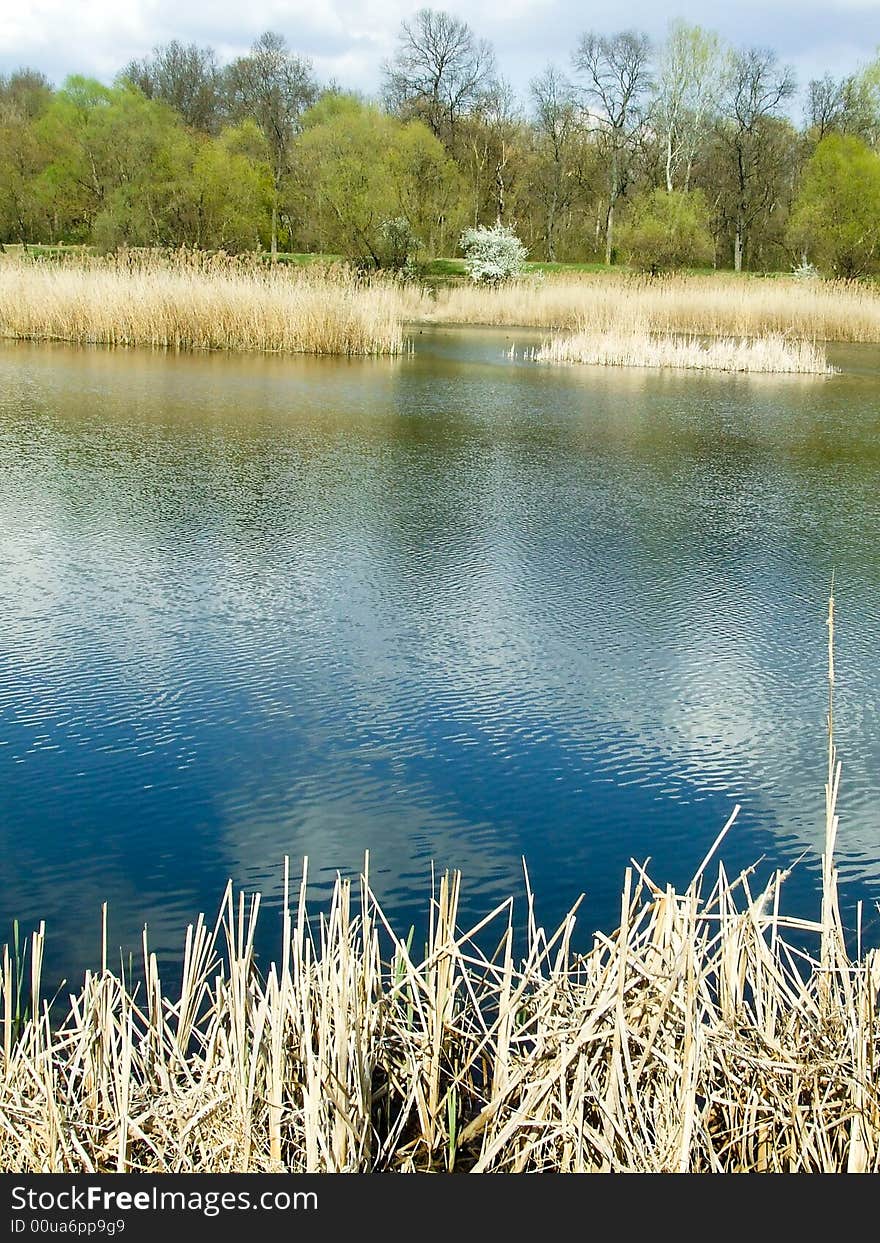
x,y
592,266
441,270
297,260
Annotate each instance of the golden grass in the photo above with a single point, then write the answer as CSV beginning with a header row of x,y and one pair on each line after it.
x,y
711,306
697,1037
185,302
188,301
769,354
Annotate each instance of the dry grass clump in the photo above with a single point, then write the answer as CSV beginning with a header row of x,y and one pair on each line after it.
x,y
698,1037
185,301
711,306
773,353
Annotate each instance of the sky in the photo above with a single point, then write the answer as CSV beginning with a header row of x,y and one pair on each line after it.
x,y
347,40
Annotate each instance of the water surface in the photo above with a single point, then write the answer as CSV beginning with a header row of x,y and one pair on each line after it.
x,y
452,607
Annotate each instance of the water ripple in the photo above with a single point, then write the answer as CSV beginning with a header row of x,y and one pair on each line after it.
x,y
448,609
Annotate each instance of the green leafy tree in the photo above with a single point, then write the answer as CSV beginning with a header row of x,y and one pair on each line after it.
x,y
665,230
836,218
117,160
23,156
230,192
360,169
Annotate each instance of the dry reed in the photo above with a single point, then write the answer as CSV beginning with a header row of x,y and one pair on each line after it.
x,y
710,306
770,354
186,302
700,1036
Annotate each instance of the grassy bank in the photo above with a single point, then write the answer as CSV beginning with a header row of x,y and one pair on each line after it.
x,y
699,1036
193,302
771,354
711,306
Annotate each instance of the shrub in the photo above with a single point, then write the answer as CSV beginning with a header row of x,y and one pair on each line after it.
x,y
492,255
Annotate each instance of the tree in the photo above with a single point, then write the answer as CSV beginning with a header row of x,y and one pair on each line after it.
x,y
489,151
227,197
427,186
186,77
687,94
845,106
836,218
492,255
23,156
116,162
558,131
667,229
360,169
24,97
617,74
26,93
754,87
439,73
272,87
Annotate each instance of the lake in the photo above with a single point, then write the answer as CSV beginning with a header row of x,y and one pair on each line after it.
x,y
454,608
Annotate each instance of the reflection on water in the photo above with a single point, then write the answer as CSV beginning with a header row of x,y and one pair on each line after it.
x,y
449,608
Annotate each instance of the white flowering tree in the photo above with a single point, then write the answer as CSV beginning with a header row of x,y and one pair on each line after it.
x,y
492,255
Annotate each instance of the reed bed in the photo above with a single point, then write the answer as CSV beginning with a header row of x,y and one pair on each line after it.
x,y
701,1036
770,354
188,302
709,306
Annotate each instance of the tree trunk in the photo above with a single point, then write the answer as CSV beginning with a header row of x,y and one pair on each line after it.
x,y
551,228
669,185
609,233
614,191
499,191
739,241
738,244
274,242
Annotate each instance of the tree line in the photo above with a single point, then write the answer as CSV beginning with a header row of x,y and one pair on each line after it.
x,y
682,153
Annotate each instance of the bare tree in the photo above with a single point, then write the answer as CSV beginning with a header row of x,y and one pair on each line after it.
x,y
25,93
825,105
557,124
617,73
272,87
688,85
440,71
492,133
186,77
755,87
845,105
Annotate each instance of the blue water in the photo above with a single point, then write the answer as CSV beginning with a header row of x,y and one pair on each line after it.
x,y
454,609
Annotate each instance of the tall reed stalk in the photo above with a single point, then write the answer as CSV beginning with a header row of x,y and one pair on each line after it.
x,y
699,1036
